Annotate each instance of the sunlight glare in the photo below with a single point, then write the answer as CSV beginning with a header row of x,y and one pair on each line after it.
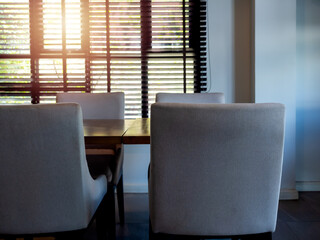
x,y
52,21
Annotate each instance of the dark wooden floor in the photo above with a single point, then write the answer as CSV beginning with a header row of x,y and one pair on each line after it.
x,y
297,220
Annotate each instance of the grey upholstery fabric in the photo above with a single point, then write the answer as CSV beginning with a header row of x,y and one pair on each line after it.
x,y
220,171
103,106
44,179
100,106
190,97
97,105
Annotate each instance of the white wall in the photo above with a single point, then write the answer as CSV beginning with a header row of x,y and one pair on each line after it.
x,y
229,49
135,168
275,72
221,47
307,95
268,68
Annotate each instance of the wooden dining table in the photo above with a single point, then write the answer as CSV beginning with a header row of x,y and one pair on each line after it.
x,y
117,131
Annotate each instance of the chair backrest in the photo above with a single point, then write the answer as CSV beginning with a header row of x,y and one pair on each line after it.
x,y
190,97
45,183
97,105
215,168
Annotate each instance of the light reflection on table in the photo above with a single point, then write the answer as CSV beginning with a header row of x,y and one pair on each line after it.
x,y
115,131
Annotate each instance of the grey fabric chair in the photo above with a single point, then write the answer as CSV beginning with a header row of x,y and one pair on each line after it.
x,y
45,184
190,97
220,174
106,159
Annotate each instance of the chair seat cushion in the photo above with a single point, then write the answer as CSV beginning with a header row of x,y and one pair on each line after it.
x,y
101,164
107,160
100,152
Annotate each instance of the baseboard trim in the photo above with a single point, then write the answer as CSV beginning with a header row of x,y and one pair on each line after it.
x,y
135,188
285,194
289,194
304,186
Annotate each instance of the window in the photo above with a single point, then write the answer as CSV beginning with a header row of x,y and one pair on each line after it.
x,y
140,47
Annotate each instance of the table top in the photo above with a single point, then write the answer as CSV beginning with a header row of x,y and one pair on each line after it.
x,y
138,132
114,131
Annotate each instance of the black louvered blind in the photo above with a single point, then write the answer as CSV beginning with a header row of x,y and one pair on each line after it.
x,y
140,47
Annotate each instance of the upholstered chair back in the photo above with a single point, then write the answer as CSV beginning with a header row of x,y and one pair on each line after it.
x,y
103,158
97,105
44,179
220,171
190,97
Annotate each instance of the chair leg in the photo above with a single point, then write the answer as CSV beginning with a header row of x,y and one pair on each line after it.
x,y
266,236
10,238
67,235
120,200
102,219
105,218
261,236
28,238
152,235
111,226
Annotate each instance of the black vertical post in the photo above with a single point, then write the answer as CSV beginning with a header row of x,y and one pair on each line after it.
x,y
35,91
184,51
64,45
35,38
196,43
108,46
85,42
146,35
202,46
